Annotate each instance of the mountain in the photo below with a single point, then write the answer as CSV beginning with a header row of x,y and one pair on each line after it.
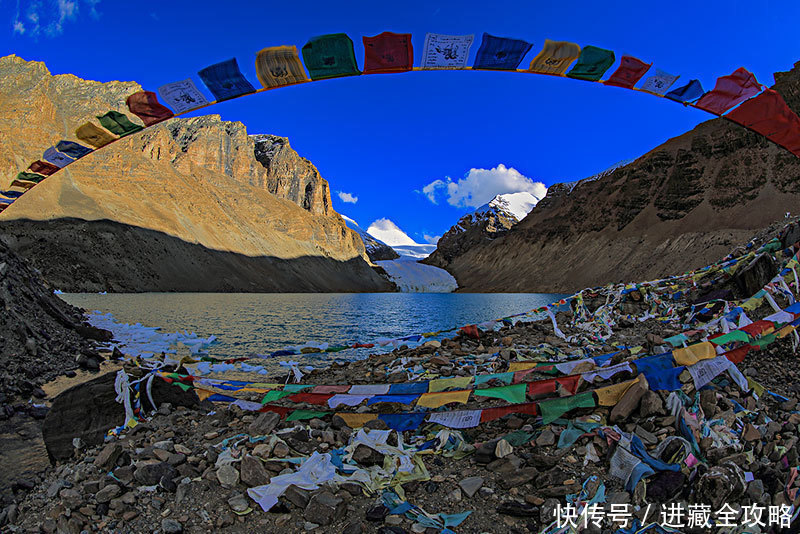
x,y
376,249
487,222
682,205
189,205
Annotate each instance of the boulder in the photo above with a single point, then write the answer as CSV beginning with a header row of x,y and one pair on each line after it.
x,y
630,400
88,410
756,275
324,508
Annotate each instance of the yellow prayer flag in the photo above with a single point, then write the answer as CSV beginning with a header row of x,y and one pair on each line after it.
x,y
357,420
442,384
555,57
203,394
434,400
521,366
256,390
610,395
279,65
94,135
756,387
785,331
694,353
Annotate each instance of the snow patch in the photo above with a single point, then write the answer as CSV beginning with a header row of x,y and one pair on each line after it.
x,y
516,205
413,277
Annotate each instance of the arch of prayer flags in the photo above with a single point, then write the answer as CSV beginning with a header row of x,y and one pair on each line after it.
x,y
738,96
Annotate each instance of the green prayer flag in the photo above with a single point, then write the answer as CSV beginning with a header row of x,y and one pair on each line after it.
x,y
518,437
505,378
553,409
330,56
274,395
765,340
514,394
118,123
592,63
295,388
184,387
30,177
299,415
736,335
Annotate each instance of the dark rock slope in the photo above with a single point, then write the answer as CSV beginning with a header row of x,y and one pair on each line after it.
x,y
680,206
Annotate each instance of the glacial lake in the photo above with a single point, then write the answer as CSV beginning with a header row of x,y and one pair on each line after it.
x,y
257,322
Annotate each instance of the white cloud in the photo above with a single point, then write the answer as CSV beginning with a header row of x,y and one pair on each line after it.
x,y
49,18
479,186
432,239
347,197
19,27
388,232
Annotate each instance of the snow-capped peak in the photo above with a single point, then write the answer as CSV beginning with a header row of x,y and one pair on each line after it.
x,y
517,205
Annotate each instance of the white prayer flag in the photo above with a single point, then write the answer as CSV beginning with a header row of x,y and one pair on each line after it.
x,y
659,82
369,389
457,419
705,371
182,96
446,51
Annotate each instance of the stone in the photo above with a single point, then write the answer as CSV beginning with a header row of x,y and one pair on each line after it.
x,y
297,496
71,498
651,404
367,456
227,475
546,438
629,401
324,508
252,472
519,477
88,410
708,402
264,424
149,472
171,526
239,503
518,509
281,450
503,449
751,433
108,493
471,485
107,458
377,513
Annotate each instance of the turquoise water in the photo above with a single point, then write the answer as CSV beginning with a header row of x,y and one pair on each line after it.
x,y
261,323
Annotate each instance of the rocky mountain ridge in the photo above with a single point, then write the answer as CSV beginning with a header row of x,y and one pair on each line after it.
x,y
675,208
246,213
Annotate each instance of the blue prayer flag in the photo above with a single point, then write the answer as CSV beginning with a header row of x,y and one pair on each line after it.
x,y
500,53
403,421
691,91
225,80
409,388
72,149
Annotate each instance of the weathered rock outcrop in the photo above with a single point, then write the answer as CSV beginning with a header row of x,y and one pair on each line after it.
x,y
202,181
680,206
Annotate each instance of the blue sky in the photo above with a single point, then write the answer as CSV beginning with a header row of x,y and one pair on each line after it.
x,y
383,138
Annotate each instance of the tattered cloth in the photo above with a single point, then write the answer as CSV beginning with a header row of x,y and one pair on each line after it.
x,y
592,64
500,53
118,123
729,91
146,106
279,65
388,52
182,96
769,115
686,93
225,80
330,56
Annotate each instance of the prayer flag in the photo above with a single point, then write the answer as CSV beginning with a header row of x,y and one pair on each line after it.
x,y
737,355
456,419
470,330
505,378
73,150
490,414
274,395
299,415
409,388
25,184
403,421
30,177
659,83
729,91
146,106
331,389
280,65
687,93
610,395
388,52
357,420
225,80
500,53
629,72
311,398
398,399
694,353
542,387
118,123
42,167
736,335
443,384
592,63
59,159
555,408
769,115
514,394
343,398
555,57
446,51
435,400
330,56
182,96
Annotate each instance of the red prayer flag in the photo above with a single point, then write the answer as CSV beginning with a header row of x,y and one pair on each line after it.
x,y
331,389
756,328
311,398
490,414
363,345
542,387
769,115
280,410
42,167
629,72
737,355
146,106
570,383
471,331
388,52
729,91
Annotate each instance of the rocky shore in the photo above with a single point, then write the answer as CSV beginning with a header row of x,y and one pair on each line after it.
x,y
628,404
